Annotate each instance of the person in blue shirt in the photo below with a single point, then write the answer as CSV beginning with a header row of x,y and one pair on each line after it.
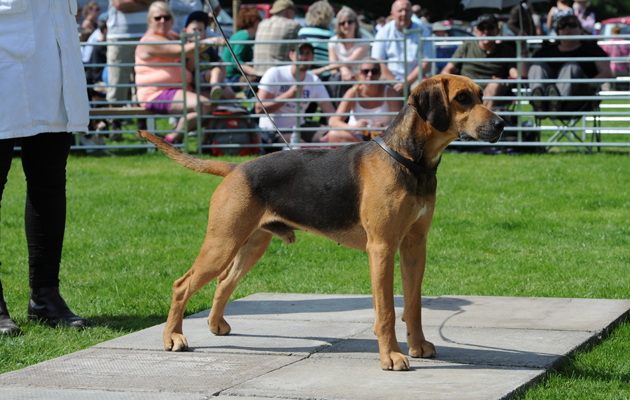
x,y
392,52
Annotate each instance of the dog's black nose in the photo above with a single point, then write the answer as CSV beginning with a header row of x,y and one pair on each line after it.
x,y
498,124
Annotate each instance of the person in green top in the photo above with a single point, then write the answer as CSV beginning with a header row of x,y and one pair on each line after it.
x,y
487,25
247,25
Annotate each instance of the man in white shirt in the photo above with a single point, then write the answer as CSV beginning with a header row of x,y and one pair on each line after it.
x,y
287,74
393,52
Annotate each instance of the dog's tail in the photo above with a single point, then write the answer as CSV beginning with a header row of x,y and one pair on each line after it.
x,y
213,167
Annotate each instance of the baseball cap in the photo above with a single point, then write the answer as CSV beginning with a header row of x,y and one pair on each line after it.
x,y
303,43
488,19
442,25
281,5
197,16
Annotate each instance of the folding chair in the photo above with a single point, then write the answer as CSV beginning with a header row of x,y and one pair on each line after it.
x,y
567,125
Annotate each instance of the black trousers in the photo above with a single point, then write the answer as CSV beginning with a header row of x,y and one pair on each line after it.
x,y
44,158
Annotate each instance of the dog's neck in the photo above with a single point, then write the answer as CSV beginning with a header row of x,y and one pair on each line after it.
x,y
420,146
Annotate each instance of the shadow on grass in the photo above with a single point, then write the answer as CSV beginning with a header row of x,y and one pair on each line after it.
x,y
127,322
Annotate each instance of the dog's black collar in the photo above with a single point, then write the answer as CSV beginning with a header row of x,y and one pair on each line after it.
x,y
404,161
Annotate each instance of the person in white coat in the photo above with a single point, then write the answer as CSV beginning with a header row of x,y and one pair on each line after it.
x,y
43,84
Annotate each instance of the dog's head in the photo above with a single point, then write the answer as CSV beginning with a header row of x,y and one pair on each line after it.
x,y
453,104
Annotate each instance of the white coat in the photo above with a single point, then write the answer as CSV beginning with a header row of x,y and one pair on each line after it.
x,y
42,81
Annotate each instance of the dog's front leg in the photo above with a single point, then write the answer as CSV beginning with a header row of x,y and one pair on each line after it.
x,y
382,257
413,254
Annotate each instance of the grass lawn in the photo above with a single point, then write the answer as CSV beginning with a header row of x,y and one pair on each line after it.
x,y
552,225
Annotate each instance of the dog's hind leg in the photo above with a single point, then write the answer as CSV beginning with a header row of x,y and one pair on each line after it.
x,y
413,254
230,224
245,260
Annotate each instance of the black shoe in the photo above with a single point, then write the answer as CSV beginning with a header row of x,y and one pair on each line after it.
x,y
47,305
538,105
8,327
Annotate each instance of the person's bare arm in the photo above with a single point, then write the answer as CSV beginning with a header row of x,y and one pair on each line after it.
x,y
174,51
449,68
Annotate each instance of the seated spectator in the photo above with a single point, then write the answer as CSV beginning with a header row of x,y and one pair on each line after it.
x,y
581,8
197,22
487,25
617,50
370,71
567,26
318,19
280,26
561,9
393,52
160,21
286,74
90,19
247,25
182,8
346,27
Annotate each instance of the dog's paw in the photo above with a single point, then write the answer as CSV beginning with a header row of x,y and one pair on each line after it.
x,y
176,342
394,361
220,329
423,350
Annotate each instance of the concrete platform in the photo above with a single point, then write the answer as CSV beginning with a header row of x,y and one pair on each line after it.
x,y
300,346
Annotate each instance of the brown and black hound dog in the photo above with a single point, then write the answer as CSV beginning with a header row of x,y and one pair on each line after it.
x,y
358,196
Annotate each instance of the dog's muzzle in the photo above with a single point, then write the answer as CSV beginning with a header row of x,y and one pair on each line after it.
x,y
488,132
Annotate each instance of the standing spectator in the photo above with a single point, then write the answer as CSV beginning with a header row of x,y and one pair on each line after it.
x,y
126,21
247,25
280,26
318,19
581,8
393,52
570,70
487,25
286,74
561,9
182,8
90,19
352,103
380,22
44,108
197,22
160,21
521,22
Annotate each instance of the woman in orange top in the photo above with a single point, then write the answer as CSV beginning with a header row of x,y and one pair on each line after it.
x,y
160,21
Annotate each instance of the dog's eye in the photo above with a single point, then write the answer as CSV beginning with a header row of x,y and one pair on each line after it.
x,y
463,98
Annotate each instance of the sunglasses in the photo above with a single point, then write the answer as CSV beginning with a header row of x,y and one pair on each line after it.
x,y
166,18
485,28
572,24
374,71
348,22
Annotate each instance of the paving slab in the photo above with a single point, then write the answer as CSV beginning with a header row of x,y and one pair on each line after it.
x,y
524,348
144,371
294,346
351,379
591,315
281,337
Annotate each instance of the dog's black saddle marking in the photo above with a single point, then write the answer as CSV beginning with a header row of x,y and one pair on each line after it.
x,y
404,161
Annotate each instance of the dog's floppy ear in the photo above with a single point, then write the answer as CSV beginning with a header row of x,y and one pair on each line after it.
x,y
431,101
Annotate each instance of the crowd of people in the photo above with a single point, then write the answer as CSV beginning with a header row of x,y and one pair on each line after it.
x,y
337,47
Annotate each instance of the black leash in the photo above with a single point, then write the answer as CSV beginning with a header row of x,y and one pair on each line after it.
x,y
404,161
